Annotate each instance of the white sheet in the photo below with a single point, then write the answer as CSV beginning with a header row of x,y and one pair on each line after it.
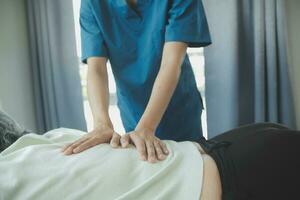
x,y
34,168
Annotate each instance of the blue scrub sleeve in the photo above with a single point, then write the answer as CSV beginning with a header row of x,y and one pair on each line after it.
x,y
187,23
92,42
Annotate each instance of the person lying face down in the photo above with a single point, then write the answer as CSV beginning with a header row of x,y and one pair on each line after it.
x,y
35,166
256,161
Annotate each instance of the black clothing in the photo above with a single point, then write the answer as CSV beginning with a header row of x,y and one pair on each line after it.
x,y
257,161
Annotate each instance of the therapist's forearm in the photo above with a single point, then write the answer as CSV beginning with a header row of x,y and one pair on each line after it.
x,y
164,86
98,92
162,91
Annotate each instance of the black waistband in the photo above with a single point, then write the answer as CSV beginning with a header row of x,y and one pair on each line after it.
x,y
217,150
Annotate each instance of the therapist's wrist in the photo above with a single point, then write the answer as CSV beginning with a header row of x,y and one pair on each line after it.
x,y
146,128
101,124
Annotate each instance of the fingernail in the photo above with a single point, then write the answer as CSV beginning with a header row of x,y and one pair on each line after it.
x,y
65,151
143,158
152,160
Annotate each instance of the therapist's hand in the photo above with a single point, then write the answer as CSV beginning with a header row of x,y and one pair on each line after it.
x,y
148,145
100,135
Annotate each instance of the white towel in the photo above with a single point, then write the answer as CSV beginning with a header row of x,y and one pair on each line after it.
x,y
34,168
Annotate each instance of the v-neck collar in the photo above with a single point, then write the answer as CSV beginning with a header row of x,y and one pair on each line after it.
x,y
132,5
134,8
129,12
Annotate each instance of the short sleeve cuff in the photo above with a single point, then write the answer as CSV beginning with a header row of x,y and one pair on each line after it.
x,y
198,39
93,51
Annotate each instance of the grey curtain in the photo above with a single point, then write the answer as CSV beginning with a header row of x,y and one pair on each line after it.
x,y
247,71
55,67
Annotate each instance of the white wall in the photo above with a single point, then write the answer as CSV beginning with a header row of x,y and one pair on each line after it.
x,y
16,95
293,12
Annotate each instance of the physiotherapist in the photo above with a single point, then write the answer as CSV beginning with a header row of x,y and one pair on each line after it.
x,y
146,43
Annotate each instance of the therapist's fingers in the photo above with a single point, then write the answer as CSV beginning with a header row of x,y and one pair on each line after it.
x,y
159,151
115,141
73,145
125,140
64,148
151,152
164,147
85,145
140,146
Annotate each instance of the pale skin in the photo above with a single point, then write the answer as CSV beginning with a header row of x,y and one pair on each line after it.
x,y
211,185
150,148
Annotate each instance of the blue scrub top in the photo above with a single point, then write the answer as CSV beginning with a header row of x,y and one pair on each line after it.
x,y
132,39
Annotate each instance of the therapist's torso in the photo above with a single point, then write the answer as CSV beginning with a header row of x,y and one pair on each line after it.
x,y
133,40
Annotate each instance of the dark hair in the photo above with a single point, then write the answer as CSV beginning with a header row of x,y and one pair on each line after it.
x,y
10,130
